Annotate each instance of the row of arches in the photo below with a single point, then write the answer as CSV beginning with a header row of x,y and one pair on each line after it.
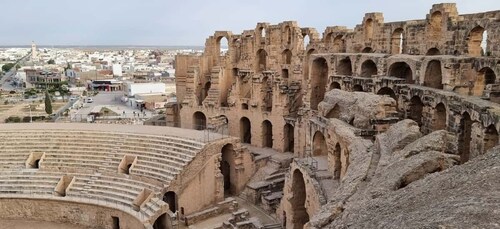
x,y
440,121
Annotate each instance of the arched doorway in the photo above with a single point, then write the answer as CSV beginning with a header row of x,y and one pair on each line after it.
x,y
439,117
267,95
475,39
357,87
319,77
415,110
300,216
267,134
319,145
484,77
387,91
490,138
206,88
287,56
261,60
338,44
367,50
435,26
199,121
335,85
344,67
171,199
306,63
368,30
465,137
289,137
433,52
337,166
403,71
433,75
226,168
161,222
245,130
222,46
368,69
397,41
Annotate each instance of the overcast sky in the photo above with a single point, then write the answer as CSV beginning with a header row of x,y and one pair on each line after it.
x,y
188,22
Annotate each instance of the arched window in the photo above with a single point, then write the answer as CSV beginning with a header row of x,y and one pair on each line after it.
x,y
475,42
319,77
397,41
368,69
433,75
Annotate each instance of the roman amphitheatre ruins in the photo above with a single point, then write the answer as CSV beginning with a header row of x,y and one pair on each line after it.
x,y
386,125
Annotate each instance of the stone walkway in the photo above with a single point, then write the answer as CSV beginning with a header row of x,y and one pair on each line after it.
x,y
24,224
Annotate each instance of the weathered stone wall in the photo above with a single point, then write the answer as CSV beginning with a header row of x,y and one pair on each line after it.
x,y
85,215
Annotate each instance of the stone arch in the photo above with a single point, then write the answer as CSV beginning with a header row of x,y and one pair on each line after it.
x,y
439,122
245,130
357,87
160,223
415,110
334,112
222,46
205,90
490,138
319,145
299,216
319,78
433,75
262,35
344,67
367,50
433,52
287,56
306,39
397,41
484,77
267,95
464,137
474,42
288,35
435,26
170,198
267,134
337,165
306,63
368,69
368,30
338,44
226,168
402,70
199,121
288,131
261,60
335,85
387,91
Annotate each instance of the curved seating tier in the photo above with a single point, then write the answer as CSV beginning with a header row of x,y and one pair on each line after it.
x,y
92,160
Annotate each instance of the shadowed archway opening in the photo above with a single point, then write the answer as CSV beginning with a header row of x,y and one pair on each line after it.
x,y
433,52
170,198
337,167
199,121
397,41
403,71
357,87
319,145
160,223
289,137
368,69
319,78
439,122
415,110
490,138
344,67
245,130
465,137
267,134
226,166
387,91
474,44
261,60
300,216
433,75
335,85
484,77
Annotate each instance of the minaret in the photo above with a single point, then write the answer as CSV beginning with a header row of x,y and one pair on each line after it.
x,y
34,51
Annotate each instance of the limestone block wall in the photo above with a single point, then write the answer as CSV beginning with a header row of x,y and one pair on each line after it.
x,y
85,215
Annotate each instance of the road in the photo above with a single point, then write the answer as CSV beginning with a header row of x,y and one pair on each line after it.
x,y
5,85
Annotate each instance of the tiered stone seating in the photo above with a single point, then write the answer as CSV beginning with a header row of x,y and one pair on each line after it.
x,y
92,160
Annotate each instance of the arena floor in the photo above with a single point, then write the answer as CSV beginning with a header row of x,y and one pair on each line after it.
x,y
23,224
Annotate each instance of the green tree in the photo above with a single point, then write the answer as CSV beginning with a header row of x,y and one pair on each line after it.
x,y
51,61
48,104
7,67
